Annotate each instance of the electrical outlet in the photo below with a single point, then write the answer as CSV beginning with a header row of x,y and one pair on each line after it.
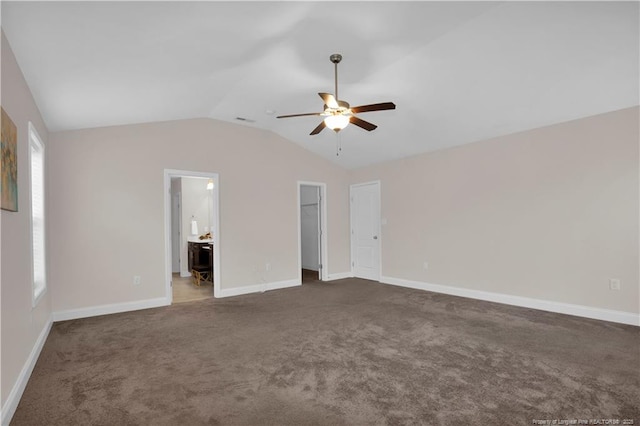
x,y
425,265
137,280
267,266
614,284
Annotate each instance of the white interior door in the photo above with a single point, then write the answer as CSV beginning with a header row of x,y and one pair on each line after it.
x,y
175,232
365,230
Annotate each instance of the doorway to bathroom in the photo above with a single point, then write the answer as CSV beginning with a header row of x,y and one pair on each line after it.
x,y
191,235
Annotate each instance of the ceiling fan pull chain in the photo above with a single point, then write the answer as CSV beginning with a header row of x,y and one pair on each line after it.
x,y
338,144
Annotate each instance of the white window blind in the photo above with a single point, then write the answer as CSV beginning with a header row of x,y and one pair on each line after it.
x,y
37,214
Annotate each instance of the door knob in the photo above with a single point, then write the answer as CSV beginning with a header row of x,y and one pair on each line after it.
x,y
375,237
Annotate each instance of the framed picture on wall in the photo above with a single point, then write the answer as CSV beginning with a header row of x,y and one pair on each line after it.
x,y
9,164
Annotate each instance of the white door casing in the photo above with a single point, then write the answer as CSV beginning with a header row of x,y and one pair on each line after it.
x,y
319,233
215,227
310,226
322,229
365,230
175,232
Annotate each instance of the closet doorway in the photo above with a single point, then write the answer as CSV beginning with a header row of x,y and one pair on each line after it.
x,y
312,248
191,235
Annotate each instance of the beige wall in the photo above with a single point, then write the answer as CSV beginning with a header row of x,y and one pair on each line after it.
x,y
21,324
107,185
550,213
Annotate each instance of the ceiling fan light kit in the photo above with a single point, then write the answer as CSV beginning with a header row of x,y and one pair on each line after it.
x,y
336,122
338,114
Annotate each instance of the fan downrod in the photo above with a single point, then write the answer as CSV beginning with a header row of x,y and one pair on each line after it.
x,y
336,58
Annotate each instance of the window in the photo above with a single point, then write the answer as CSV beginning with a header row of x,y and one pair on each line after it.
x,y
36,159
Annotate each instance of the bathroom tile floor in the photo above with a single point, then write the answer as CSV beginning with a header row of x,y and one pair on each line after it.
x,y
184,290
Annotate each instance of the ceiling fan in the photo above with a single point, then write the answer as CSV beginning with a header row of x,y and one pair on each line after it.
x,y
338,114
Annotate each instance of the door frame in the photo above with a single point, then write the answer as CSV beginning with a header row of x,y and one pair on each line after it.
x,y
215,228
322,217
175,196
351,223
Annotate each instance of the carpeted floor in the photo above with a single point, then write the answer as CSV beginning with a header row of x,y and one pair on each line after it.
x,y
349,352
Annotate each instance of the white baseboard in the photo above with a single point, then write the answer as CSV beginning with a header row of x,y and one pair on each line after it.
x,y
525,302
340,276
257,288
9,408
109,309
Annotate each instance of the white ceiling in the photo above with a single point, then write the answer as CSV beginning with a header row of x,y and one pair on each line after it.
x,y
458,72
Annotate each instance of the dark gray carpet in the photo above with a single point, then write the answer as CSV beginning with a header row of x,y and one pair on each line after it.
x,y
346,352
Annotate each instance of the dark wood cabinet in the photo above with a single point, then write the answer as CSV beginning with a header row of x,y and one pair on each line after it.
x,y
201,259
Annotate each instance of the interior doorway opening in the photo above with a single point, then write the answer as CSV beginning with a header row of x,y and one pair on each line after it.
x,y
192,241
312,259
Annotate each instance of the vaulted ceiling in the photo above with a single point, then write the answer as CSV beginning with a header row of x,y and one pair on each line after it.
x,y
459,72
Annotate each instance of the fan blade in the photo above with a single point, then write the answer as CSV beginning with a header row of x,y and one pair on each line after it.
x,y
361,123
373,107
299,115
318,129
329,100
